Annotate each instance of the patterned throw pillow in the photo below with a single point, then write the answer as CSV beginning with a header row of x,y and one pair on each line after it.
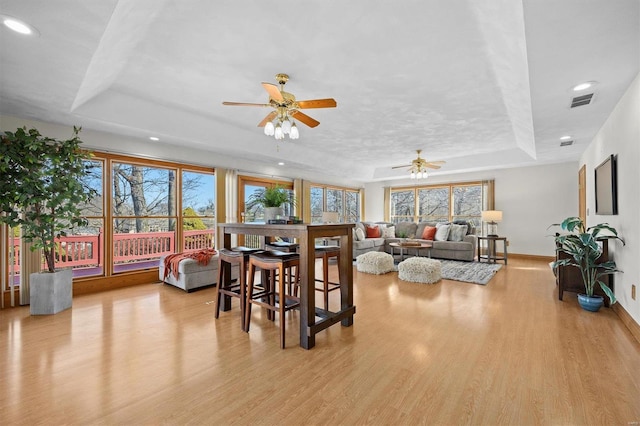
x,y
429,233
373,231
442,232
360,234
457,232
389,232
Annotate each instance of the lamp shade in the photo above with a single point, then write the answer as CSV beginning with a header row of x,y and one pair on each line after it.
x,y
330,217
492,215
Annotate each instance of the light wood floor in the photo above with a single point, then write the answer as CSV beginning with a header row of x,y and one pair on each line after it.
x,y
449,353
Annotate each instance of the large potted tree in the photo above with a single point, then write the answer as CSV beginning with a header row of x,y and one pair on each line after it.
x,y
42,191
271,199
583,252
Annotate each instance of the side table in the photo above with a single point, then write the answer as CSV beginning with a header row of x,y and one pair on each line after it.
x,y
491,246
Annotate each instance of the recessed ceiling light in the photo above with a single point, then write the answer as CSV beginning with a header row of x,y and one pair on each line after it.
x,y
18,26
153,138
281,164
583,86
565,138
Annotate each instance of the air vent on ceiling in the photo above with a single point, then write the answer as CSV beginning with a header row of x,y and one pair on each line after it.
x,y
581,100
566,143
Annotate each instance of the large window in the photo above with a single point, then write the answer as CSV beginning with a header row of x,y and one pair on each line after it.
x,y
344,201
439,203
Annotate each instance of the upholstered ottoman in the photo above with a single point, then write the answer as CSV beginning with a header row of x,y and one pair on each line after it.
x,y
374,262
192,275
419,270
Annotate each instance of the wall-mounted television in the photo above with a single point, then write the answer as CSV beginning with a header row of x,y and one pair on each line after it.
x,y
606,183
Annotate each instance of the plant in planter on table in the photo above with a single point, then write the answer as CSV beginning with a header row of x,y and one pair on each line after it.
x,y
42,191
583,248
271,200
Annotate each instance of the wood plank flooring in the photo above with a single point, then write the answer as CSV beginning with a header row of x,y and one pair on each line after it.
x,y
450,353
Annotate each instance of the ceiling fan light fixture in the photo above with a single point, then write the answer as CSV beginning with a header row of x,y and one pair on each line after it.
x,y
278,133
294,134
286,126
269,129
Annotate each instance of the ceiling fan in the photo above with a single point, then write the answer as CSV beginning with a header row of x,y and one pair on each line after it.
x,y
285,108
419,166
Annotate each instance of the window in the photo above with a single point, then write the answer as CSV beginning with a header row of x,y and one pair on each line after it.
x,y
345,201
439,203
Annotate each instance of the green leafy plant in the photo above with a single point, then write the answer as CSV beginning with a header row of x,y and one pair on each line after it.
x,y
42,188
584,250
274,196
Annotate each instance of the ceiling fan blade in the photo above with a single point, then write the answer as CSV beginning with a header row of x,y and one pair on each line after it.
x,y
318,103
304,118
245,104
432,166
268,118
273,92
401,167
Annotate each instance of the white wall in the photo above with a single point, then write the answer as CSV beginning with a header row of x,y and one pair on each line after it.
x,y
621,135
531,199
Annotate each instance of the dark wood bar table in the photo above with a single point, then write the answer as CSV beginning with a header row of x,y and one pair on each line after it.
x,y
306,235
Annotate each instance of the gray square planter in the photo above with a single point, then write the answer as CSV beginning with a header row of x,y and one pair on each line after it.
x,y
50,293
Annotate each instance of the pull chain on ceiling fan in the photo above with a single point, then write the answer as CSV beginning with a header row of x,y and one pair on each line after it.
x,y
280,121
418,167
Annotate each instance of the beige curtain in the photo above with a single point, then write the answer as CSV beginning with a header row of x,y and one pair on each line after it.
x,y
488,194
306,201
297,190
387,204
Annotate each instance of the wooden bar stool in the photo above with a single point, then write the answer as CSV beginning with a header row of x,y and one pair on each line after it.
x,y
226,258
325,253
273,297
286,247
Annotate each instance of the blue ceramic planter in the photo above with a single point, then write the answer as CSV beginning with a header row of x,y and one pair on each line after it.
x,y
590,303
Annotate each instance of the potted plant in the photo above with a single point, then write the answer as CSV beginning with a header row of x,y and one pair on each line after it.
x,y
583,248
271,199
42,191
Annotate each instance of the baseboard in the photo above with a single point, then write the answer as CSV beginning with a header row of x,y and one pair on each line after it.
x,y
627,320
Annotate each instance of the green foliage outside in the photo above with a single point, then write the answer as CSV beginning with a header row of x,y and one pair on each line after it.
x,y
191,223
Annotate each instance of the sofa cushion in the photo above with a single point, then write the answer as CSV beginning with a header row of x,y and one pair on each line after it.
x,y
406,229
452,245
442,232
373,231
457,232
360,234
389,232
363,244
429,233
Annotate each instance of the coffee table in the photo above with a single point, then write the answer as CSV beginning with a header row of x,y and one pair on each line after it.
x,y
402,247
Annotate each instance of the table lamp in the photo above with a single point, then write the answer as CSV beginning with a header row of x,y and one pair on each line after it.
x,y
330,217
492,217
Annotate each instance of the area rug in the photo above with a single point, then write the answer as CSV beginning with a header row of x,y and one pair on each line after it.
x,y
471,272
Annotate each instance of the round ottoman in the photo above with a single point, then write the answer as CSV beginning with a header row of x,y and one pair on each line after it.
x,y
419,270
374,262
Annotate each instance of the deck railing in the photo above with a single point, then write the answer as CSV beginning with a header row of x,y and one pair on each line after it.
x,y
84,251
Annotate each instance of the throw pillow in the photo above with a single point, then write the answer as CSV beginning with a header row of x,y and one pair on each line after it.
x,y
389,232
429,233
442,232
373,232
360,234
457,232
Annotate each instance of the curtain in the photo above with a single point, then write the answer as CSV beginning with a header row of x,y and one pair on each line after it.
x,y
30,262
387,204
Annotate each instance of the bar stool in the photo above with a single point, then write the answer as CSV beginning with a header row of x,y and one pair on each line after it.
x,y
325,253
271,262
238,256
286,247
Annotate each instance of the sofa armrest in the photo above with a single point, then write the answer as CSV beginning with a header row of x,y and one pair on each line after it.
x,y
470,238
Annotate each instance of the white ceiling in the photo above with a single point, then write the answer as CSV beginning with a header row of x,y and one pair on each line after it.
x,y
480,84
